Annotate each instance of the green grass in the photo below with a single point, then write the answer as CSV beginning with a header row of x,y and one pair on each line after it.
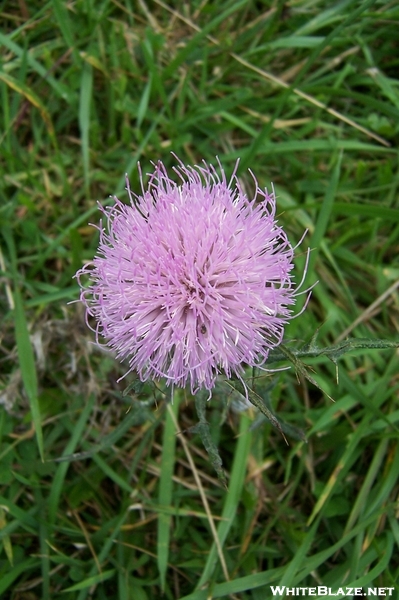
x,y
105,495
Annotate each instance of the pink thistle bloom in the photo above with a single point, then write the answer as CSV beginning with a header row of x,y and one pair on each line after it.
x,y
192,278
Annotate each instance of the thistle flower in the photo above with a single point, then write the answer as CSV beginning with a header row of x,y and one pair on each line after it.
x,y
192,278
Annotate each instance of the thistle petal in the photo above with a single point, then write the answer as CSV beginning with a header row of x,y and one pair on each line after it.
x,y
191,279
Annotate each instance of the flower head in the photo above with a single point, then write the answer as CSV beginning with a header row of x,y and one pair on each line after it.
x,y
192,278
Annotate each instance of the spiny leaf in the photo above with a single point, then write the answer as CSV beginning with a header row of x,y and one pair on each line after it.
x,y
257,401
301,369
203,430
334,352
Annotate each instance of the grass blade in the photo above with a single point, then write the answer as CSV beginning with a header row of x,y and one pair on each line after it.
x,y
232,497
166,489
31,96
56,488
28,368
86,87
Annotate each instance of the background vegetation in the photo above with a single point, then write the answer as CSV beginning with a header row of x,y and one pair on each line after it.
x,y
306,93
